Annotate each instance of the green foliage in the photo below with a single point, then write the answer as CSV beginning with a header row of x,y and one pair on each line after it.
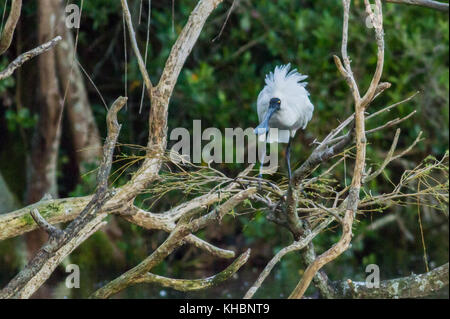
x,y
8,82
100,13
87,183
22,118
219,85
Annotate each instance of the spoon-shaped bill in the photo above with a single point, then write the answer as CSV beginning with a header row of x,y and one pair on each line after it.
x,y
263,127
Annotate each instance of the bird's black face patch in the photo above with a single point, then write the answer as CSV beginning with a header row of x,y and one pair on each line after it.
x,y
275,101
274,105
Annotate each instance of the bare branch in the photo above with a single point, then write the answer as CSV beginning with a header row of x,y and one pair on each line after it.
x,y
134,44
296,245
423,3
196,284
391,123
360,161
386,161
161,95
414,286
346,70
8,32
390,156
48,228
24,57
54,211
377,22
160,221
60,243
57,258
322,153
175,240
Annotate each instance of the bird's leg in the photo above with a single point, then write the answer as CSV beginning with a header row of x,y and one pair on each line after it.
x,y
288,159
288,162
261,168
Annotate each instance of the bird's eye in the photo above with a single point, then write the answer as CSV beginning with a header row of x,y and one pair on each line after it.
x,y
279,102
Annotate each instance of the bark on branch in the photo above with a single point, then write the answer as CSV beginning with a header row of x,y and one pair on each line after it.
x,y
424,3
414,286
10,25
176,239
24,57
196,284
360,135
61,243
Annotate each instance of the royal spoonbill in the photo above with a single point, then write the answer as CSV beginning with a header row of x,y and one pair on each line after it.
x,y
283,104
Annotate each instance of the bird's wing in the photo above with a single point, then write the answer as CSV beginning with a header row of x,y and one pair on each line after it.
x,y
308,109
262,104
302,108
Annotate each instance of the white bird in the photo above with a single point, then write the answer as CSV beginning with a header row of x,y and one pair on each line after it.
x,y
283,104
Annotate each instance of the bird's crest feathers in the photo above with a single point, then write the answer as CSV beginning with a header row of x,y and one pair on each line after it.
x,y
283,79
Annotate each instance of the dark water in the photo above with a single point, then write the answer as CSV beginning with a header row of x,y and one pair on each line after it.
x,y
235,287
273,287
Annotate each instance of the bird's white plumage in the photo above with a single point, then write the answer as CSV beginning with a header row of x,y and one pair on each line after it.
x,y
295,109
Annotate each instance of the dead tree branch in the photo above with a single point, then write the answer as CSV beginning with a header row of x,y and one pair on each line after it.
x,y
424,3
60,243
160,98
134,44
10,26
196,284
176,239
361,141
297,245
24,57
414,286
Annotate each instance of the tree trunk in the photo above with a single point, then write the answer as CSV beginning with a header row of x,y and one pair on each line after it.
x,y
45,144
83,129
8,201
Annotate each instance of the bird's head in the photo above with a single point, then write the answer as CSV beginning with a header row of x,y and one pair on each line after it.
x,y
274,105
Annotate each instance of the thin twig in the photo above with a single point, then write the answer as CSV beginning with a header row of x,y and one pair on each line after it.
x,y
8,32
24,57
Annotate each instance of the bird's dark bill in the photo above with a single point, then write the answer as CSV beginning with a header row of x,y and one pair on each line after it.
x,y
263,127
